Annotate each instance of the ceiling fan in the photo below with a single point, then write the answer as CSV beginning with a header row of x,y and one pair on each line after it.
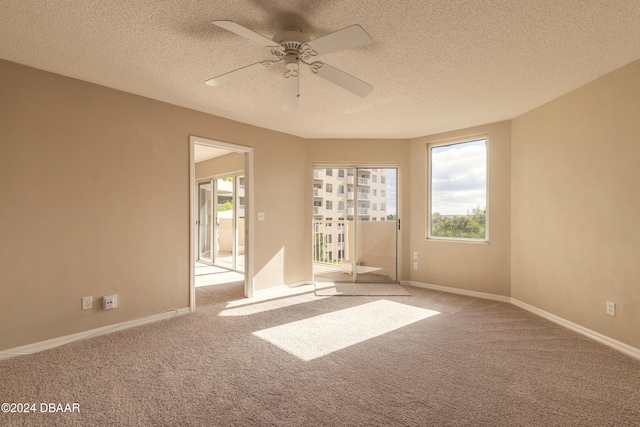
x,y
293,47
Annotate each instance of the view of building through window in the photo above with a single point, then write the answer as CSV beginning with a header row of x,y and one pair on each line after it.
x,y
355,224
458,196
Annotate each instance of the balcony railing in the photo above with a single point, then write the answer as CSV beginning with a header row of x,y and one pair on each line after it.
x,y
363,211
363,181
317,192
363,196
330,241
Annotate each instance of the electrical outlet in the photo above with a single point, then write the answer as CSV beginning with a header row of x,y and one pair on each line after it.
x,y
611,308
109,302
415,265
415,254
87,303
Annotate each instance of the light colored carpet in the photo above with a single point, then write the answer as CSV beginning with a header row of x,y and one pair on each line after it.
x,y
207,275
475,363
359,289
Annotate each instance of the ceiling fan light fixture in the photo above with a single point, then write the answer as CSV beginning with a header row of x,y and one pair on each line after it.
x,y
291,61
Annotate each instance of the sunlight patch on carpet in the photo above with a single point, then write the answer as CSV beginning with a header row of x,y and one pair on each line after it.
x,y
318,336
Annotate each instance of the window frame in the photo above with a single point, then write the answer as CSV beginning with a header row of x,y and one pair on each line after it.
x,y
429,170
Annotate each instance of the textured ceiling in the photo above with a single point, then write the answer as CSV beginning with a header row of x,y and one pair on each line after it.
x,y
435,65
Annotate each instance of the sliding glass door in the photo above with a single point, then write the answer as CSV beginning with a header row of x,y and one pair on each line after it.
x,y
221,228
355,226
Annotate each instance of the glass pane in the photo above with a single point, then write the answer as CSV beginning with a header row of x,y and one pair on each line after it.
x,y
240,234
333,226
347,199
459,190
205,221
377,225
224,230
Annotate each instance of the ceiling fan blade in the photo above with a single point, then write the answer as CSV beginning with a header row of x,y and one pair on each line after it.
x,y
246,33
347,38
290,91
232,75
342,79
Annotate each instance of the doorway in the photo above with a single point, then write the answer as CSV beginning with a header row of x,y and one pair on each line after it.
x,y
221,233
355,224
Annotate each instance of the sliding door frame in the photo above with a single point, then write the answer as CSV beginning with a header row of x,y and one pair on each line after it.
x,y
355,167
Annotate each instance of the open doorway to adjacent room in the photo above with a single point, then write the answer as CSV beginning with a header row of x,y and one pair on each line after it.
x,y
220,231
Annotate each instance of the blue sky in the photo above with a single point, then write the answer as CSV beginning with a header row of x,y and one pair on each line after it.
x,y
459,178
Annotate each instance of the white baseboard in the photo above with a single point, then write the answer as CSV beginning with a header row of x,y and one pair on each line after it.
x,y
617,345
55,342
465,292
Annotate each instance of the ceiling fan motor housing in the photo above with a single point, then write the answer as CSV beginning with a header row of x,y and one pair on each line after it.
x,y
291,39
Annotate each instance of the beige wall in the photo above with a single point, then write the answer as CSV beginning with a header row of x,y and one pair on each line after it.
x,y
471,266
95,200
575,205
359,152
229,163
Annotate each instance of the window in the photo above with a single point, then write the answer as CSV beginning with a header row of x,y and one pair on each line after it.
x,y
341,205
329,188
317,203
328,172
382,192
374,206
341,173
383,206
329,205
340,189
374,192
458,190
382,180
374,178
